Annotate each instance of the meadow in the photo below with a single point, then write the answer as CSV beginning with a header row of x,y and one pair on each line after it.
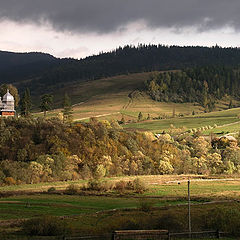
x,y
121,96
113,95
225,120
102,212
33,199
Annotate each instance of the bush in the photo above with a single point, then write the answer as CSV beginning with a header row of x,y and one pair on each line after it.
x,y
139,185
100,172
97,185
94,184
10,181
72,189
145,205
171,221
106,186
227,220
51,190
121,186
46,226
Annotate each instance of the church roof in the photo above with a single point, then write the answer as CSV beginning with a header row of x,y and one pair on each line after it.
x,y
8,97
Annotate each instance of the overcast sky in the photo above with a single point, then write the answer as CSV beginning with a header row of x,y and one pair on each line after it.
x,y
78,28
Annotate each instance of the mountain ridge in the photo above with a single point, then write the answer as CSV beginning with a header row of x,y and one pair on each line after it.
x,y
42,73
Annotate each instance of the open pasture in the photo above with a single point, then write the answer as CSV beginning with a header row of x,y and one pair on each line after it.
x,y
221,118
164,202
122,96
163,190
112,96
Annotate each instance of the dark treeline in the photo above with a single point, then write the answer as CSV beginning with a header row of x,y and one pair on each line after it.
x,y
129,59
22,66
11,59
144,58
204,85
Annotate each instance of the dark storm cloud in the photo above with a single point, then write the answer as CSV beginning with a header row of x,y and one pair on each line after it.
x,y
108,15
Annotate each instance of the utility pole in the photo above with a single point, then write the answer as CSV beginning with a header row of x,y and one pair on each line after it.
x,y
189,211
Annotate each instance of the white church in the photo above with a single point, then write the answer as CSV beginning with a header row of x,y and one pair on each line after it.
x,y
7,105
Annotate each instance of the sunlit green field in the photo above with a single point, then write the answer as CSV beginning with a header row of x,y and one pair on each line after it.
x,y
221,118
171,191
101,212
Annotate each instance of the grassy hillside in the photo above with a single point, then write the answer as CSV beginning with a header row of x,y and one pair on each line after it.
x,y
116,96
121,96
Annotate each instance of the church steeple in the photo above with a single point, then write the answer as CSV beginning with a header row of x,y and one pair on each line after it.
x,y
7,105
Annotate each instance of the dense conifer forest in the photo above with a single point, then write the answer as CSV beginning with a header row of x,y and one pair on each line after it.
x,y
204,85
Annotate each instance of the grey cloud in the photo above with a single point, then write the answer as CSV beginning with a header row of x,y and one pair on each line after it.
x,y
104,16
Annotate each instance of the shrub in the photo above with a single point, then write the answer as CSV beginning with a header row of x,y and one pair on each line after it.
x,y
51,190
136,185
100,172
139,185
194,130
227,220
94,184
85,172
10,181
171,221
121,186
72,189
46,226
106,186
130,185
145,205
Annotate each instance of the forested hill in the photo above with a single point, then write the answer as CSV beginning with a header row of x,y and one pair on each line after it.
x,y
10,59
55,73
140,59
205,85
21,66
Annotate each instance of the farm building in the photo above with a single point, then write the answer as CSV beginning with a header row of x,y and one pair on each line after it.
x,y
7,105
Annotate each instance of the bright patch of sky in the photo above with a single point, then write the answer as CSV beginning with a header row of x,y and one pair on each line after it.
x,y
27,37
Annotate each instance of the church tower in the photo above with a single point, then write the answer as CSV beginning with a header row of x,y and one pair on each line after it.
x,y
7,105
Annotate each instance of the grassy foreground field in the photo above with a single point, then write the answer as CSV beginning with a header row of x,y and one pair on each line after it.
x,y
166,196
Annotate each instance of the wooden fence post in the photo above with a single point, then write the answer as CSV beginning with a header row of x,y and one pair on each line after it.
x,y
113,236
218,233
